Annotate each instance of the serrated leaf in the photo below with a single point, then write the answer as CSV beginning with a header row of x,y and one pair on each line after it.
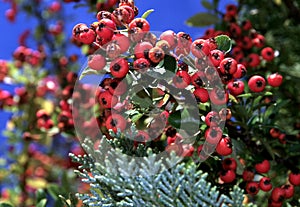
x,y
224,43
202,19
42,203
146,13
206,4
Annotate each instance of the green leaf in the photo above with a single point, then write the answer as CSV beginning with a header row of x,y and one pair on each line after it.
x,y
245,95
40,195
175,119
170,63
224,43
146,13
136,117
206,4
4,204
88,71
42,203
202,19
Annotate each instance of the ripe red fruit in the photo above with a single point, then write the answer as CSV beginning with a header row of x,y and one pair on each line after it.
x,y
107,100
141,50
252,188
156,54
141,64
96,62
115,122
240,72
265,184
229,164
10,15
212,118
170,37
200,47
274,132
141,23
119,67
236,88
248,175
122,40
257,83
216,56
117,87
227,176
294,178
289,190
274,80
231,10
267,53
263,167
218,96
213,135
224,146
228,66
253,60
259,41
188,150
105,29
201,94
182,79
278,194
196,79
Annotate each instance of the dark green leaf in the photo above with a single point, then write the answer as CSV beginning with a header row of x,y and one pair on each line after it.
x,y
202,19
146,14
40,194
4,204
170,63
224,43
42,203
175,119
206,4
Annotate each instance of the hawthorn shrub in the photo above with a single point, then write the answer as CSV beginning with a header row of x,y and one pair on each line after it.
x,y
165,119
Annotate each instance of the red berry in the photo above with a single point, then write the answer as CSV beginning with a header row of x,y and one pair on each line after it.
x,y
228,66
278,194
228,176
96,62
272,203
253,60
141,64
156,54
252,188
267,53
188,150
248,175
182,79
236,88
240,72
259,41
119,68
199,48
105,29
218,96
122,40
274,80
265,184
231,9
263,167
212,118
213,135
229,164
289,190
196,79
216,56
117,87
201,94
224,146
107,100
141,23
115,122
141,50
274,132
294,178
257,83
170,37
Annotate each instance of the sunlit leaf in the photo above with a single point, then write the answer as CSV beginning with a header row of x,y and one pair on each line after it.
x,y
202,19
146,13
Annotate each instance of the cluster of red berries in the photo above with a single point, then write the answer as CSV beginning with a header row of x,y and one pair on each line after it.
x,y
249,50
24,54
278,194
